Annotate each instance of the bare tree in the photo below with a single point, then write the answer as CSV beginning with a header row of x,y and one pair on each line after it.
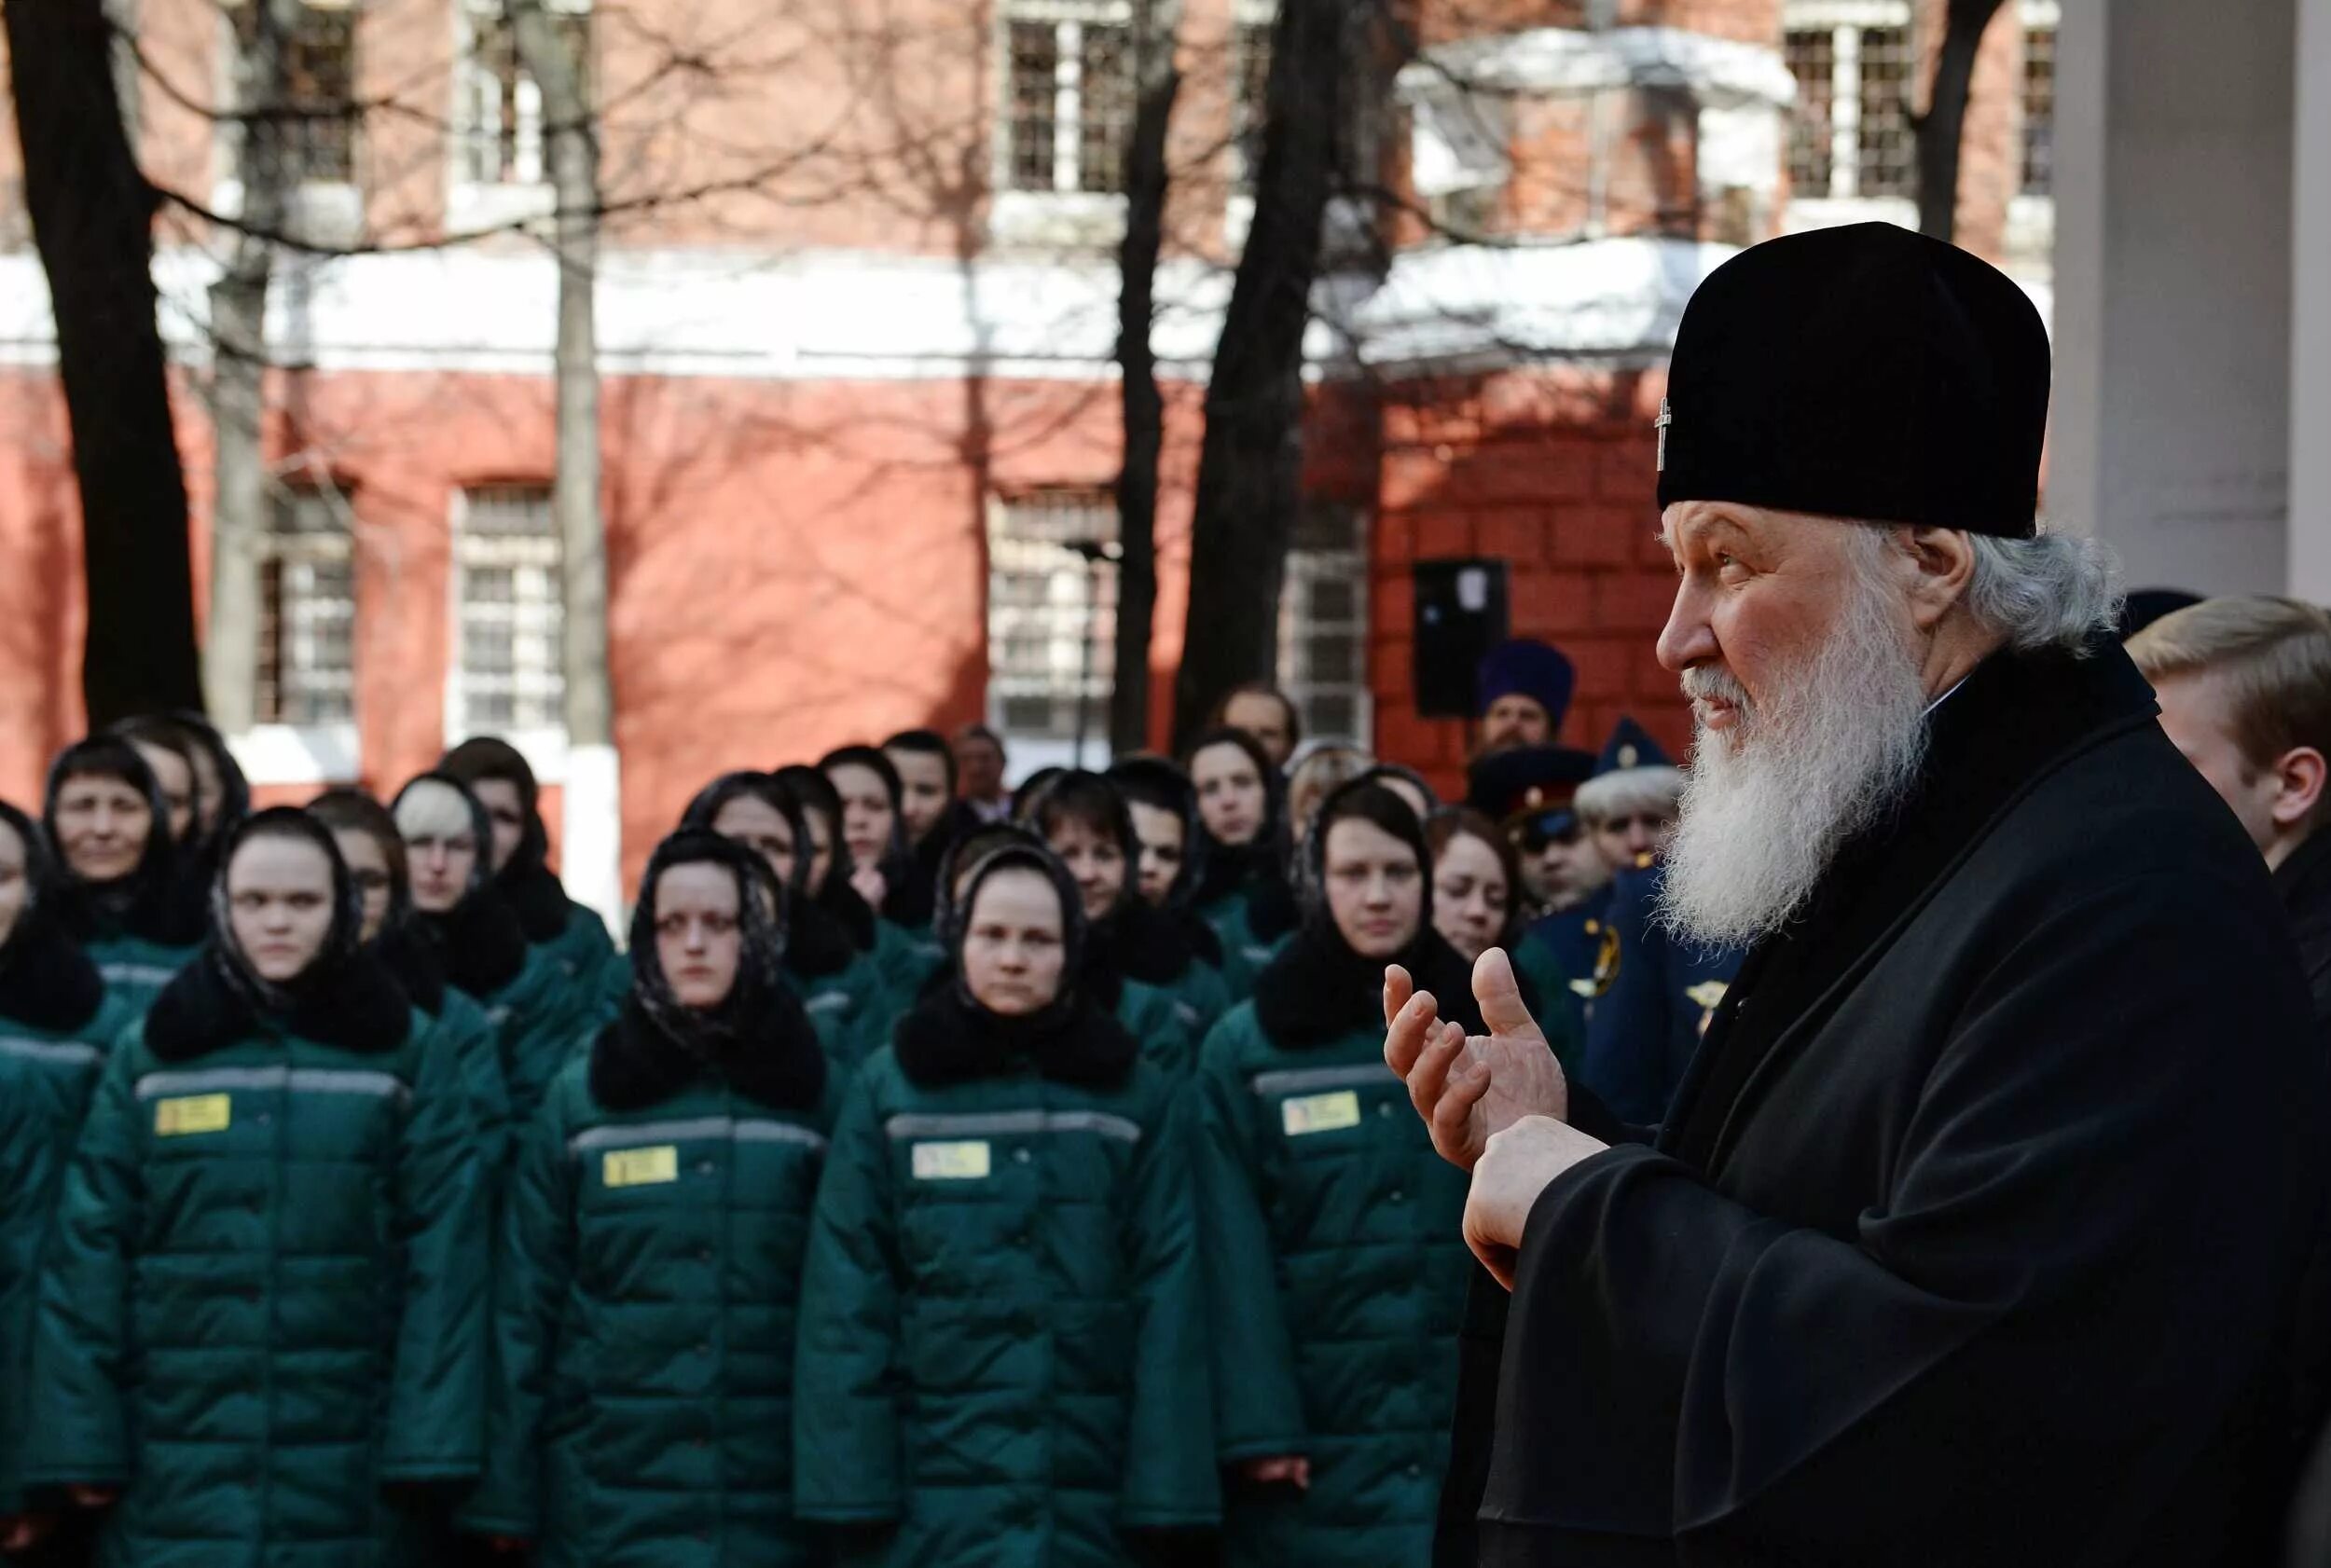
x,y
1941,128
592,850
1157,82
260,118
92,214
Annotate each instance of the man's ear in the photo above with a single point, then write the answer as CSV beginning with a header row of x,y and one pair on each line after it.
x,y
1943,563
2299,777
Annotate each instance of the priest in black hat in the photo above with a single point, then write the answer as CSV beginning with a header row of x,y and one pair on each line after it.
x,y
1969,1236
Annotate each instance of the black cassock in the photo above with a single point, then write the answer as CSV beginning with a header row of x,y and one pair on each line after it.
x,y
1971,1236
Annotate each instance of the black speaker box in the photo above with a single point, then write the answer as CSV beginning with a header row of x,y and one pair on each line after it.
x,y
1460,616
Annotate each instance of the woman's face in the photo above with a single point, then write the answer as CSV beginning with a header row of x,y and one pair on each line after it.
x,y
1470,896
867,815
1230,798
1097,863
1013,946
16,888
102,824
278,904
922,790
442,861
760,827
1162,834
699,933
209,791
1375,887
368,868
505,808
175,777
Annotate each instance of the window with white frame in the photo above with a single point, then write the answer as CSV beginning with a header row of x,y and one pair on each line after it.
x,y
1069,95
1323,623
498,124
307,653
2039,102
317,124
510,608
1855,63
1052,611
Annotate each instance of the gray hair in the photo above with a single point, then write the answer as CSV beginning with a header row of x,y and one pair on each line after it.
x,y
1627,791
2053,590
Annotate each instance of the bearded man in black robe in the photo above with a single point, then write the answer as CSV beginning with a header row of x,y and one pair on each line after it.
x,y
1970,1236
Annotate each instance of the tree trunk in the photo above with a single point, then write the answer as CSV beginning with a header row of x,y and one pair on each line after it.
x,y
591,859
1146,182
1250,467
1940,128
92,213
238,507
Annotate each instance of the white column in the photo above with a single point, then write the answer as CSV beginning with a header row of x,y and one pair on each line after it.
x,y
2310,309
2172,419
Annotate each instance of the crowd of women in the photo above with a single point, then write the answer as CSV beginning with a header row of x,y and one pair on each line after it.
x,y
916,1190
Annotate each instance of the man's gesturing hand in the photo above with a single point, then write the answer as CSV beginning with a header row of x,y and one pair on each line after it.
x,y
1520,1163
1470,1090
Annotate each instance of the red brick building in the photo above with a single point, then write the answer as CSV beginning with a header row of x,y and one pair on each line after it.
x,y
857,316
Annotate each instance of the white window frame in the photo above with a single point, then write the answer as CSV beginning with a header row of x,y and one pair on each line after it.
x,y
323,212
1070,579
544,747
1064,214
1846,20
1306,565
316,754
472,203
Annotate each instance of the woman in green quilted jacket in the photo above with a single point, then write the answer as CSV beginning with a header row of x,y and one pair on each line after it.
x,y
261,1328
539,1010
641,1415
123,897
839,987
56,1024
1170,996
1001,1354
1240,865
886,872
1336,1271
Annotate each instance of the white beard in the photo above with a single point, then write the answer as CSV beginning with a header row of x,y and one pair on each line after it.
x,y
1768,805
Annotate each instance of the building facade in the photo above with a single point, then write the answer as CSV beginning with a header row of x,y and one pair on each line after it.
x,y
857,313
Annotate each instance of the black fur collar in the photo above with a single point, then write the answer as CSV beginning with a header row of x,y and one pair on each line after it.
x,y
949,1040
635,1064
536,897
1145,943
817,942
47,981
856,916
1318,990
480,942
413,959
358,1008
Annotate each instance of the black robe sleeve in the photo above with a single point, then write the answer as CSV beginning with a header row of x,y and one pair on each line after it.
x,y
2064,1272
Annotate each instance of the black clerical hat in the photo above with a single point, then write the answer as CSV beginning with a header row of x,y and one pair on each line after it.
x,y
1859,372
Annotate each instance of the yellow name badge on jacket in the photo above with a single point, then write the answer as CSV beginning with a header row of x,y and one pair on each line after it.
x,y
951,1161
195,1113
641,1167
1320,1113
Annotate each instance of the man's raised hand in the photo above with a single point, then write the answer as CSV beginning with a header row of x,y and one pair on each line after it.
x,y
1468,1090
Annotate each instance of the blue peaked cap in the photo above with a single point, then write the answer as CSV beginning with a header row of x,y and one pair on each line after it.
x,y
1631,746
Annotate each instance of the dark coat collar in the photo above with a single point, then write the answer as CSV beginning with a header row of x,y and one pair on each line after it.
x,y
536,897
948,1039
1317,990
818,944
359,1007
634,1064
47,981
413,959
2304,883
2015,720
480,944
1146,943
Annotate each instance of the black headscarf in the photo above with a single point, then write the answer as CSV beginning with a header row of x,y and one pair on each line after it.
x,y
151,903
345,996
45,980
911,884
949,1038
409,953
817,944
479,941
758,1040
1160,784
1318,989
526,882
812,790
234,788
1259,867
